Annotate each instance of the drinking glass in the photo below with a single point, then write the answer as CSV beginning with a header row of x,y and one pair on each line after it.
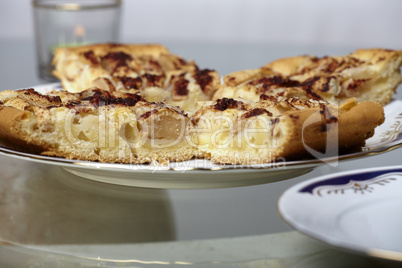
x,y
67,23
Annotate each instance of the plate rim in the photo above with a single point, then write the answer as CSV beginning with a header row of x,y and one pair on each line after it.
x,y
220,167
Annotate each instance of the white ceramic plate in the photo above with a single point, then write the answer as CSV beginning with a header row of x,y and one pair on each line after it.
x,y
358,211
206,174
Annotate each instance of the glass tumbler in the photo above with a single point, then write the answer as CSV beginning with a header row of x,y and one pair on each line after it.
x,y
68,23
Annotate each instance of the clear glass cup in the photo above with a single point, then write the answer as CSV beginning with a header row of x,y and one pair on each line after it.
x,y
66,23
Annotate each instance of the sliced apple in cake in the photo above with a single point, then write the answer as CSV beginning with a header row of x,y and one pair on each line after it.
x,y
95,125
238,131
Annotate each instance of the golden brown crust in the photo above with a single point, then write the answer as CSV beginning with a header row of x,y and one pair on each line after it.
x,y
239,77
95,125
123,107
350,130
78,67
300,65
290,65
150,70
366,74
284,128
103,49
293,127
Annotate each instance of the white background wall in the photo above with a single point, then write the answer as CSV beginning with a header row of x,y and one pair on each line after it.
x,y
357,23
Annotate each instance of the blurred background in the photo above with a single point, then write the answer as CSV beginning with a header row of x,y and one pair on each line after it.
x,y
359,23
228,35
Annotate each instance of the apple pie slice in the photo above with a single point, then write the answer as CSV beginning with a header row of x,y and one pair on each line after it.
x,y
238,131
149,70
366,74
95,125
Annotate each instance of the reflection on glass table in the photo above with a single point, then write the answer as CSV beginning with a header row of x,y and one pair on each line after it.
x,y
51,218
45,205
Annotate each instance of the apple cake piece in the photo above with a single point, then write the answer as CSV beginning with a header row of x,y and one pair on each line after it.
x,y
149,70
238,131
366,74
95,125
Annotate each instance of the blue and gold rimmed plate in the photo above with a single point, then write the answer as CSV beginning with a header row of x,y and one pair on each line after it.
x,y
358,211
